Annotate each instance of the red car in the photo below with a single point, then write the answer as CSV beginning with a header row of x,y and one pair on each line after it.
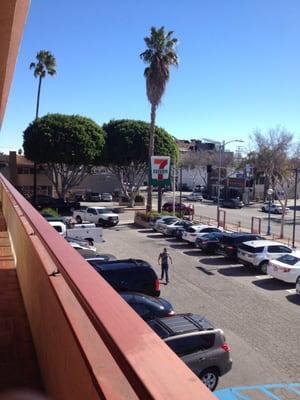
x,y
178,207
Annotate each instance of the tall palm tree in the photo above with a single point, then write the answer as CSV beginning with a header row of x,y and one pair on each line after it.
x,y
46,63
160,54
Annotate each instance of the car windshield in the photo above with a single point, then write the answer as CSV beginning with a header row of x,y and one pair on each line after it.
x,y
288,259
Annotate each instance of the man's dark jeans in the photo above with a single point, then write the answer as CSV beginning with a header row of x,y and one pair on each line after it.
x,y
164,270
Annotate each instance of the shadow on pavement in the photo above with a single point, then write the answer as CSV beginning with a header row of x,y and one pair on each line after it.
x,y
155,236
180,246
294,298
216,261
192,252
206,271
273,284
171,239
237,271
145,231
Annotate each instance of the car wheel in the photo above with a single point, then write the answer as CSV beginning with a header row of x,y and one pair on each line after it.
x,y
210,378
263,209
263,266
101,222
90,241
78,219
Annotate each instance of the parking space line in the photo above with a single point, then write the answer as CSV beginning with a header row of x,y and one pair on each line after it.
x,y
291,291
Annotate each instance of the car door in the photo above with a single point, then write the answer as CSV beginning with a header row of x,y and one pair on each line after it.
x,y
193,351
91,214
275,251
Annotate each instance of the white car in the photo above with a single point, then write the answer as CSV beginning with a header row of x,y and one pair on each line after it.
x,y
106,197
298,286
258,253
286,268
170,228
190,234
195,197
274,208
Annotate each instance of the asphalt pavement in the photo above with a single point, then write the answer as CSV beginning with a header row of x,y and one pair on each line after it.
x,y
259,315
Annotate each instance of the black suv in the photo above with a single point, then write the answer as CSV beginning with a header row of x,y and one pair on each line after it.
x,y
230,241
128,275
195,340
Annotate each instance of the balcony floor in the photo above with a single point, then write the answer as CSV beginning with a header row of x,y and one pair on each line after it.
x,y
18,363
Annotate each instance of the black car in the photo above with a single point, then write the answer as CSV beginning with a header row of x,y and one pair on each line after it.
x,y
148,307
230,241
198,343
209,242
129,275
60,205
232,203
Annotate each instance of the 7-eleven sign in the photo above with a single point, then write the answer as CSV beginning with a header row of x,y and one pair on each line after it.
x,y
160,171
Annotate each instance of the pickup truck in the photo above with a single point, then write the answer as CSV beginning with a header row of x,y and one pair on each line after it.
x,y
99,215
88,232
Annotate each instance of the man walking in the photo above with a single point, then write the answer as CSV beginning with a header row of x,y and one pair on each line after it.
x,y
163,260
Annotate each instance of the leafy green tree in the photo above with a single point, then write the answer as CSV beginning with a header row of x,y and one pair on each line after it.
x,y
67,145
126,152
46,64
159,55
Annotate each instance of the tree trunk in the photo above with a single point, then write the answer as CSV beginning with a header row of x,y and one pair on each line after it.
x,y
35,165
38,98
151,153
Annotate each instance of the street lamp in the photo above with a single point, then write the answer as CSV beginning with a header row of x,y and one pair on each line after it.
x,y
269,193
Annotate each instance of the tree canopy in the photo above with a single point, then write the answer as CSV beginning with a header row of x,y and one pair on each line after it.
x,y
68,144
127,141
126,152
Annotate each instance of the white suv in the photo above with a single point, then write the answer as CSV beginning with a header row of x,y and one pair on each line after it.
x,y
192,232
257,253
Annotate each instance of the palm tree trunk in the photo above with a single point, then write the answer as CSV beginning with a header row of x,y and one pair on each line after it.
x,y
35,165
151,153
38,98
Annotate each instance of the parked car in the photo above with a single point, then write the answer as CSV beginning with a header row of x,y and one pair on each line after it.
x,y
60,205
162,220
209,242
178,208
92,196
194,197
170,229
285,268
128,275
148,307
198,343
81,244
190,234
161,224
258,253
274,208
180,229
87,232
93,255
298,285
99,215
230,241
232,203
106,197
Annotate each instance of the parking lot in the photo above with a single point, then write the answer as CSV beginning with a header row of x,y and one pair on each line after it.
x,y
259,315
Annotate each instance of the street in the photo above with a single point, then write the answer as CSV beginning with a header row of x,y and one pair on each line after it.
x,y
259,315
243,216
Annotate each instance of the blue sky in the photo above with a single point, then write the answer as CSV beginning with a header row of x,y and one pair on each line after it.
x,y
239,65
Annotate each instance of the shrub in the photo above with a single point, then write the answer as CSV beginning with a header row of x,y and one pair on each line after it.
x,y
49,212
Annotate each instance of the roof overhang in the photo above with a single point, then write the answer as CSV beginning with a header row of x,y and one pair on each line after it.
x,y
13,15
